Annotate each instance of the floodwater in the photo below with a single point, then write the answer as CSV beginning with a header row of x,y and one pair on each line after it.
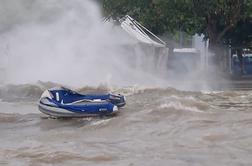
x,y
157,127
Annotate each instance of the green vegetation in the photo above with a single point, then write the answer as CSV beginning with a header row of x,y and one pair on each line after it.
x,y
223,22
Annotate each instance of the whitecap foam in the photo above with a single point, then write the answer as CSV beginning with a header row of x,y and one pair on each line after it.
x,y
100,122
179,106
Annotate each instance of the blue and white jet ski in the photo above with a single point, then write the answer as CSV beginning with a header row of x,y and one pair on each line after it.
x,y
63,102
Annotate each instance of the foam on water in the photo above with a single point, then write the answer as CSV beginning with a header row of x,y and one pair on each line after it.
x,y
179,106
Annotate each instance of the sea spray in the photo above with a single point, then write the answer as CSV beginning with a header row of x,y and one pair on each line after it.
x,y
67,42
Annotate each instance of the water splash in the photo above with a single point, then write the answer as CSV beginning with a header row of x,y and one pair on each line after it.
x,y
66,42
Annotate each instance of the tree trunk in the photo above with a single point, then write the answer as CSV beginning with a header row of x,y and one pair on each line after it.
x,y
240,57
214,47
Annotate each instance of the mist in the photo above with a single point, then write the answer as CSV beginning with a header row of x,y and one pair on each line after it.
x,y
67,42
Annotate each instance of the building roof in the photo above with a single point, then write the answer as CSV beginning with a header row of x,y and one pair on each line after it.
x,y
140,33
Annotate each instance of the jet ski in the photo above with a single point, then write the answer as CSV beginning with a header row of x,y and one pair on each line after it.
x,y
63,102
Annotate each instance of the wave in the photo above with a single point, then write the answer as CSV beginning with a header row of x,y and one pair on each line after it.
x,y
8,118
23,92
45,155
138,98
179,106
32,92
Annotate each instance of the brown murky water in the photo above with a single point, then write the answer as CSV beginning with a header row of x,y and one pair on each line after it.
x,y
157,127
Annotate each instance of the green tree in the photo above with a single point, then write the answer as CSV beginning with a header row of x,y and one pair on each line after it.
x,y
221,21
